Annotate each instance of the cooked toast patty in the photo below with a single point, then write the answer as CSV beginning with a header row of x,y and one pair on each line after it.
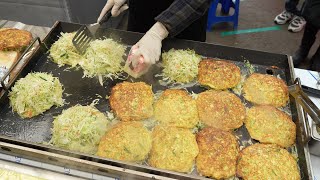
x,y
267,162
220,109
126,141
132,101
176,108
218,153
265,89
14,39
267,124
173,149
218,74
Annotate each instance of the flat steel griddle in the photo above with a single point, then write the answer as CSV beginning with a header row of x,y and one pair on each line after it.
x,y
31,133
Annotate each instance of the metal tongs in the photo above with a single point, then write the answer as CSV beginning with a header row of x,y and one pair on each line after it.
x,y
302,98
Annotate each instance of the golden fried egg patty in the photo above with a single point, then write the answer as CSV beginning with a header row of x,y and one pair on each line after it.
x,y
265,89
267,161
220,109
126,141
218,74
14,39
173,149
176,108
267,124
218,153
132,101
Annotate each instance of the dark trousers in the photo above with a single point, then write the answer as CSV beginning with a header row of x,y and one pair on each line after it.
x,y
311,12
291,6
143,12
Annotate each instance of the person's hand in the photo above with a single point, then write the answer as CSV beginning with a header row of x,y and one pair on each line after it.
x,y
148,49
116,6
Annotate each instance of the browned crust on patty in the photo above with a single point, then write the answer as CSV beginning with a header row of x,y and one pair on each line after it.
x,y
220,109
132,101
14,39
173,149
264,89
218,74
176,107
267,124
126,141
267,162
218,153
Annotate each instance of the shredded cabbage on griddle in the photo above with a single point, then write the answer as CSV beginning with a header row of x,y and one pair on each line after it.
x,y
180,65
63,52
103,58
36,93
79,128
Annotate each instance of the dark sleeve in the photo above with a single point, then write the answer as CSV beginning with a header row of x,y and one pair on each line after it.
x,y
181,14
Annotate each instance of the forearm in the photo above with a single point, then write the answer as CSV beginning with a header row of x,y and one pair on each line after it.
x,y
181,14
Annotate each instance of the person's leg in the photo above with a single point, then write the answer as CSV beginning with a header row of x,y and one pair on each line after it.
x,y
291,6
307,41
316,61
298,22
313,17
287,14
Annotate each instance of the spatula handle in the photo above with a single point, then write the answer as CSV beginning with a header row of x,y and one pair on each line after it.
x,y
108,15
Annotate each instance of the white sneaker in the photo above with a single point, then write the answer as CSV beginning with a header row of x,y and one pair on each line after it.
x,y
283,18
297,24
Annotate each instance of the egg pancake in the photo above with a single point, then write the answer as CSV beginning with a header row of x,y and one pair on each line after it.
x,y
14,39
218,153
126,141
218,74
267,124
220,109
267,162
173,149
265,89
132,101
176,108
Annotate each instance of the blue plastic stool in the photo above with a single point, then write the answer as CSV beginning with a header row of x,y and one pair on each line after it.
x,y
225,7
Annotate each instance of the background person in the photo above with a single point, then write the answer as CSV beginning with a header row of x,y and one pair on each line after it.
x,y
312,14
292,14
186,19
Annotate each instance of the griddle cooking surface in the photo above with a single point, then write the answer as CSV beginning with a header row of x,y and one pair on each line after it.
x,y
84,91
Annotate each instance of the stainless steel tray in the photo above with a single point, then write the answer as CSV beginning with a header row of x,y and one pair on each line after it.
x,y
25,136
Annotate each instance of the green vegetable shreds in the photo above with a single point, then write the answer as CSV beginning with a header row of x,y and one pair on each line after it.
x,y
63,52
180,65
103,58
79,128
35,94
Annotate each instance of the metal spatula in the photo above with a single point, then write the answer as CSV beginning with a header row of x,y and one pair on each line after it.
x,y
86,34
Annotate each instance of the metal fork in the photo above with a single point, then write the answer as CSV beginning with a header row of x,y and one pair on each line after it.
x,y
86,34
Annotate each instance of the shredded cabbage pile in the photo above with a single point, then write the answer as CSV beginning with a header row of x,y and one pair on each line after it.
x,y
249,66
79,128
103,58
63,52
180,65
35,94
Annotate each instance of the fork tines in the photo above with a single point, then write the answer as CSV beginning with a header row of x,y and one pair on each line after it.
x,y
82,39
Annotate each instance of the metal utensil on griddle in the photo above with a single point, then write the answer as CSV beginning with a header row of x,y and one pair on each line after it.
x,y
86,33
